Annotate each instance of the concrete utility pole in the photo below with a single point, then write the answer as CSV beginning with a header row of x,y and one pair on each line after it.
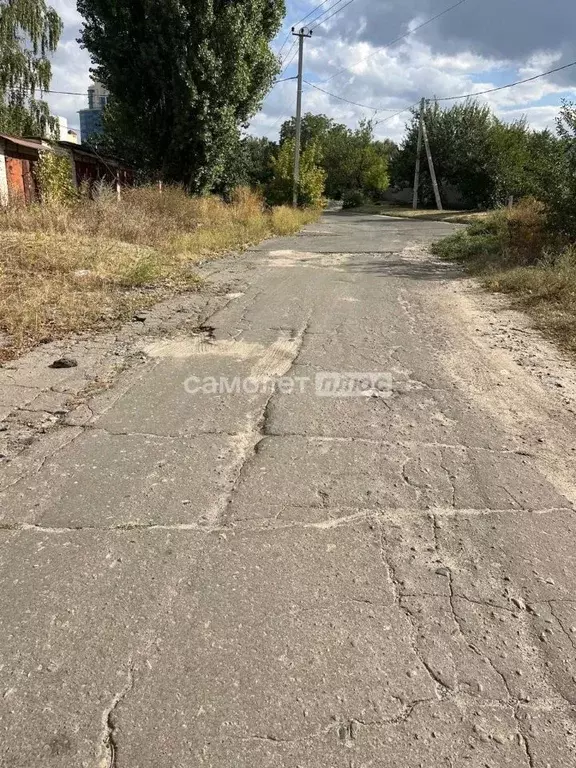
x,y
431,166
304,32
418,153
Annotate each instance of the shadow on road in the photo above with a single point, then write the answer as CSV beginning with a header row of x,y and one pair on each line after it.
x,y
413,270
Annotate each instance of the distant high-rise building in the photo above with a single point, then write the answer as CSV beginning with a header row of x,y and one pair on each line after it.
x,y
63,132
91,118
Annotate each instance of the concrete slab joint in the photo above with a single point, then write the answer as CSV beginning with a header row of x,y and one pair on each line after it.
x,y
279,579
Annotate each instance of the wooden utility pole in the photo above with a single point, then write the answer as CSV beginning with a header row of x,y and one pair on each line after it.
x,y
418,154
304,32
431,166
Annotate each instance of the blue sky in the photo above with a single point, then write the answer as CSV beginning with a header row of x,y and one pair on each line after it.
x,y
479,45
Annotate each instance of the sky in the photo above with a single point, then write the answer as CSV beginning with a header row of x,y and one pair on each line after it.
x,y
480,44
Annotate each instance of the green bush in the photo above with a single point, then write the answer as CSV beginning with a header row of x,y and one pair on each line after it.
x,y
353,198
312,177
54,175
508,237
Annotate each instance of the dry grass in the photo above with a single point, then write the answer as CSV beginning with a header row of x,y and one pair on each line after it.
x,y
547,291
514,252
90,264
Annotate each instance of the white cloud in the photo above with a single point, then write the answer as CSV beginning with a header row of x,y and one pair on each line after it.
x,y
422,65
478,46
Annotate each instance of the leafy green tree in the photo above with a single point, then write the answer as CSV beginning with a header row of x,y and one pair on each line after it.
x,y
312,177
259,154
249,165
545,156
314,128
560,194
29,32
352,160
480,158
459,139
183,75
54,177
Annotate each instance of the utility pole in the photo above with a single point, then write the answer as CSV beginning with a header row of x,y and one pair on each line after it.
x,y
304,32
418,154
423,135
431,166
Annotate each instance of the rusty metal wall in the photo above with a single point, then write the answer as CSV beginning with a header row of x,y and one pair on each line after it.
x,y
21,183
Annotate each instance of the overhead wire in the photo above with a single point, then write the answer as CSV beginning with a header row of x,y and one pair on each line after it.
x,y
316,25
284,44
396,114
509,85
310,13
313,11
354,103
397,39
41,91
486,91
287,61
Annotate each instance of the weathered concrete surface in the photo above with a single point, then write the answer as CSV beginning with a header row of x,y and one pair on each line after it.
x,y
265,579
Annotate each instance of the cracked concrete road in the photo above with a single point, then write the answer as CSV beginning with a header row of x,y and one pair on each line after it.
x,y
266,579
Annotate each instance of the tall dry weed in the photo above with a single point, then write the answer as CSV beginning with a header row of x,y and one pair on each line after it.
x,y
72,267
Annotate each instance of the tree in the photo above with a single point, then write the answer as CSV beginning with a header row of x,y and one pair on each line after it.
x,y
545,157
183,75
480,158
560,193
314,128
29,32
312,177
352,160
249,164
459,139
259,154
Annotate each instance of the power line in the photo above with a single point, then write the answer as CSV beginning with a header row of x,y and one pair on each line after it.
x,y
509,85
323,13
284,44
448,98
354,103
332,14
282,117
310,13
63,93
295,49
313,11
398,39
391,117
283,59
341,98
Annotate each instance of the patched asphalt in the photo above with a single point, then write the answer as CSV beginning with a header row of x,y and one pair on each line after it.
x,y
214,563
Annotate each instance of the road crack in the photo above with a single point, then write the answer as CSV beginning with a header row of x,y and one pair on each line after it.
x,y
109,747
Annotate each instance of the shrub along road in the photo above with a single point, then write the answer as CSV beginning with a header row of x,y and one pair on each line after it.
x,y
280,579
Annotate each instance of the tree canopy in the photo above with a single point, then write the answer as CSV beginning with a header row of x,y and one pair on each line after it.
x,y
312,177
351,159
478,157
29,33
183,75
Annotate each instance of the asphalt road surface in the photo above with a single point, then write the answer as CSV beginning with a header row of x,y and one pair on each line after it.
x,y
332,529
